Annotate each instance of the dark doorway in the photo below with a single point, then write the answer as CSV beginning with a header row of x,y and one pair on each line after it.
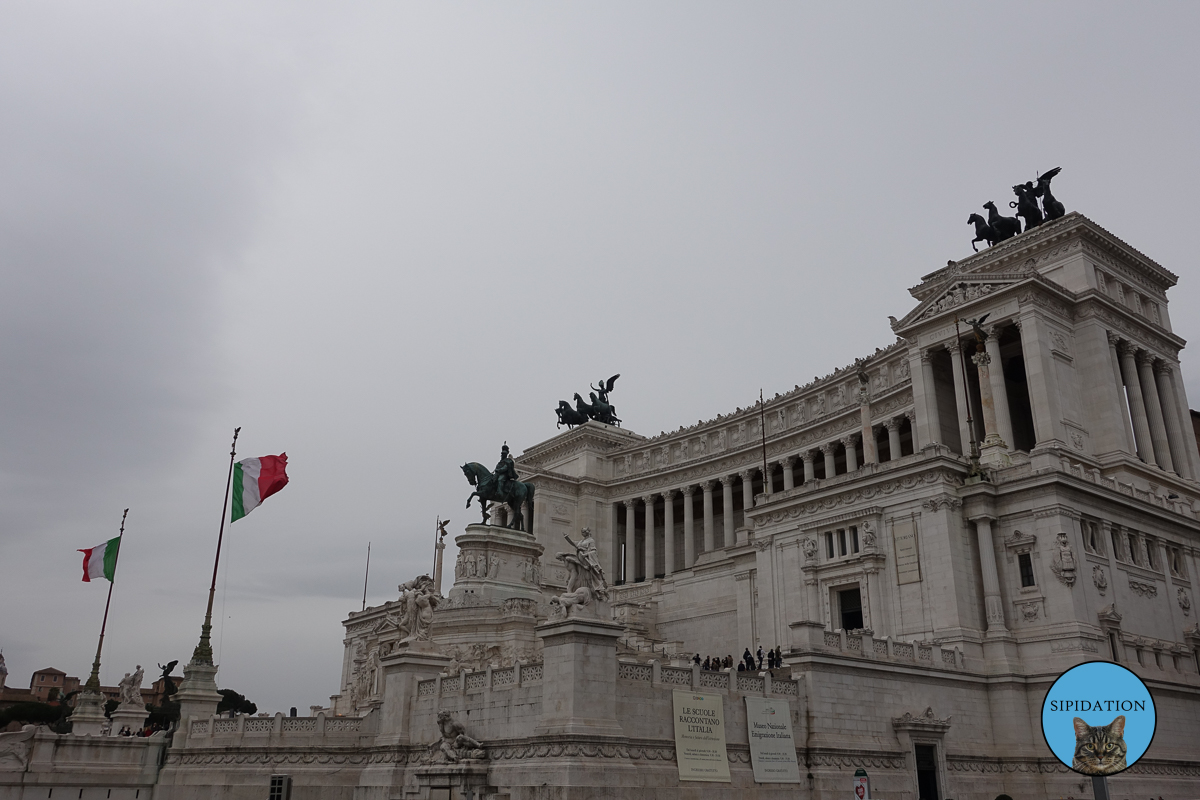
x,y
927,788
850,604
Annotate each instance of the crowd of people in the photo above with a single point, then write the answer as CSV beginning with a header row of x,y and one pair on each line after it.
x,y
748,663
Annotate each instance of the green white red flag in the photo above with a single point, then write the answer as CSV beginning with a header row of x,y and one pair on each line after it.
x,y
101,561
254,480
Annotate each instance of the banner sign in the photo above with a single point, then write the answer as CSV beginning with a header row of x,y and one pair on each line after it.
x,y
700,737
772,747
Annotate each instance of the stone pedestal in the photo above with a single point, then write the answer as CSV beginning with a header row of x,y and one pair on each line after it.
x,y
467,780
807,635
402,668
495,564
88,717
129,715
197,696
579,677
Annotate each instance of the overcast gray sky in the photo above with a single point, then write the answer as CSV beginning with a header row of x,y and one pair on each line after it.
x,y
387,237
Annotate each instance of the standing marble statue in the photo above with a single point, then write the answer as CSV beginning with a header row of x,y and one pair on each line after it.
x,y
585,576
131,688
418,599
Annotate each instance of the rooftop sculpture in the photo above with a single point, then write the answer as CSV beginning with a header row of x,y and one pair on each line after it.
x,y
997,228
599,409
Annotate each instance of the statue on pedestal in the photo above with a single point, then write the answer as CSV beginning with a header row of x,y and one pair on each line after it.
x,y
502,486
131,688
455,745
418,600
585,576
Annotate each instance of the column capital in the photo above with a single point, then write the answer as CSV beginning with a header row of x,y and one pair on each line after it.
x,y
627,502
1162,367
1144,357
912,416
926,356
808,456
747,475
993,331
1113,339
954,346
828,448
981,359
849,441
707,486
893,424
669,494
649,499
1125,347
689,490
727,480
789,461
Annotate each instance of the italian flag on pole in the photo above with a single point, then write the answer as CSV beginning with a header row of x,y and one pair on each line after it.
x,y
254,480
101,561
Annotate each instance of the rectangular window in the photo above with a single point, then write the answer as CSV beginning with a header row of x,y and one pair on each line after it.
x,y
1138,652
841,541
1118,551
1026,565
1176,561
850,607
281,787
1133,550
1114,647
829,544
853,538
1151,546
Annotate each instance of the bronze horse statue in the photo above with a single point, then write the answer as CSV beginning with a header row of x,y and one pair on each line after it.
x,y
571,416
1053,208
983,231
1027,205
1004,227
484,482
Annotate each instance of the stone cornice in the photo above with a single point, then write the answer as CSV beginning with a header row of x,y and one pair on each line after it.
x,y
592,435
1126,324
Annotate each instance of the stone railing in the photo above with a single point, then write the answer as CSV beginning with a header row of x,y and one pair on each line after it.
x,y
1092,474
811,637
479,681
726,680
202,731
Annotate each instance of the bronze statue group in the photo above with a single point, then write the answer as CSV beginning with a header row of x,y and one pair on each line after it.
x,y
997,228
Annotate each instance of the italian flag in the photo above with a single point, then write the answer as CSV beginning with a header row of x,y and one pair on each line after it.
x,y
101,561
254,480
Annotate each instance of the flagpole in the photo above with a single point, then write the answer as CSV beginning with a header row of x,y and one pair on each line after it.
x,y
366,574
203,652
93,681
762,410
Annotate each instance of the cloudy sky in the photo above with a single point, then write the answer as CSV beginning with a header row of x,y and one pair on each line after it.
x,y
387,237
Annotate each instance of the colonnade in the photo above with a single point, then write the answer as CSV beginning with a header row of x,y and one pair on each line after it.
x,y
629,567
1153,397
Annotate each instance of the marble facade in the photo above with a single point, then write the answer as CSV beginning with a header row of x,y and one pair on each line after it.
x,y
919,600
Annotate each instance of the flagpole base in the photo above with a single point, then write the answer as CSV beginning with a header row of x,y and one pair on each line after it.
x,y
197,695
88,717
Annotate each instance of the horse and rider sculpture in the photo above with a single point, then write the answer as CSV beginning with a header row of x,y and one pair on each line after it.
x,y
997,228
599,409
501,486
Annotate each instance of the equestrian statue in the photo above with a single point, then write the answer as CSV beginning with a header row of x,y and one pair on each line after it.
x,y
501,486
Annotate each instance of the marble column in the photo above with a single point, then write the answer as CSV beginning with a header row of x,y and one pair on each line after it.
x,y
934,426
769,480
689,527
893,428
1041,373
1130,446
727,510
912,426
1185,416
810,471
526,518
993,446
1158,428
851,453
747,476
789,477
870,450
709,533
630,540
999,387
965,434
649,537
1137,405
669,531
1166,398
992,601
830,465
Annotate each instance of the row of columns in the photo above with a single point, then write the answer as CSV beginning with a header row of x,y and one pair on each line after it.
x,y
1156,408
708,488
992,411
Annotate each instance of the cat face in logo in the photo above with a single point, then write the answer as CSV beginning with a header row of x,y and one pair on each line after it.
x,y
1099,750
